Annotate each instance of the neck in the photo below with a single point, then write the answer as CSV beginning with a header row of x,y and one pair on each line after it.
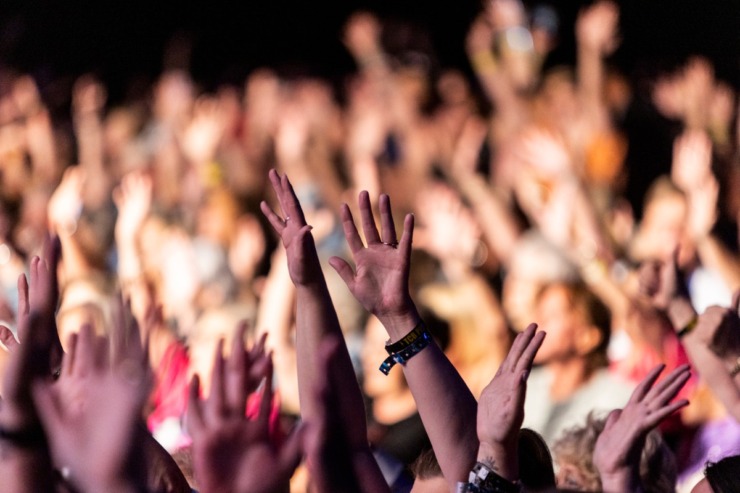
x,y
568,376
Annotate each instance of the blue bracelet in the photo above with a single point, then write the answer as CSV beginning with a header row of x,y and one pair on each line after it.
x,y
406,353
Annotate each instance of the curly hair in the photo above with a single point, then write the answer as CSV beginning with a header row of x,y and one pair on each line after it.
x,y
658,471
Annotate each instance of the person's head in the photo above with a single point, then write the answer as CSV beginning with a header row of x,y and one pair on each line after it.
x,y
428,476
720,477
663,225
534,263
577,325
576,471
535,462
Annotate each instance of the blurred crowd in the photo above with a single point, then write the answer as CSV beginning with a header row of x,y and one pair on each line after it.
x,y
524,210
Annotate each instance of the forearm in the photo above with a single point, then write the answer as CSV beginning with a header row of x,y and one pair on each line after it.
x,y
446,405
590,79
89,133
715,371
274,319
316,320
500,229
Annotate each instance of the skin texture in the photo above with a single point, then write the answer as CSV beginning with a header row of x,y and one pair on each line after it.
x,y
617,450
379,281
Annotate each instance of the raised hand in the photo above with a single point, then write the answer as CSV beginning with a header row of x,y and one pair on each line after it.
x,y
618,447
41,298
231,453
441,211
133,198
692,160
501,405
596,27
718,329
380,279
65,204
362,35
88,96
90,415
293,231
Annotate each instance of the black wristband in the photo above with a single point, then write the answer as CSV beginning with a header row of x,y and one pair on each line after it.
x,y
406,340
483,479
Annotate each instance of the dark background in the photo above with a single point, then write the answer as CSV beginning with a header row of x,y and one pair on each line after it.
x,y
124,41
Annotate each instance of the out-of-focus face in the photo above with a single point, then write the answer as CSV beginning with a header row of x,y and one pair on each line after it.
x,y
663,230
556,316
431,485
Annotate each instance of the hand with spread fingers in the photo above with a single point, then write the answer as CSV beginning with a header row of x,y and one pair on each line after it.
x,y
618,448
501,405
40,296
293,231
380,283
231,453
381,275
90,415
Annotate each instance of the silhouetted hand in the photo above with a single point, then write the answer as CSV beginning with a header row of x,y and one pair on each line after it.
x,y
231,453
90,415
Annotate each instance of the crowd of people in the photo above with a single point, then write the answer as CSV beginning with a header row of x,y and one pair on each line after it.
x,y
177,314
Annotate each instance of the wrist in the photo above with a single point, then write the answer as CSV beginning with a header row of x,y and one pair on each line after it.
x,y
399,323
619,482
500,457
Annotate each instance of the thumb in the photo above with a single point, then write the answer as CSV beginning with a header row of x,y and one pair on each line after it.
x,y
8,340
344,270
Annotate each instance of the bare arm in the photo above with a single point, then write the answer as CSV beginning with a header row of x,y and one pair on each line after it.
x,y
316,320
274,316
380,284
596,34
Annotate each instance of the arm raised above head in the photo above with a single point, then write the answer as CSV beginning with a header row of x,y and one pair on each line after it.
x,y
380,283
317,320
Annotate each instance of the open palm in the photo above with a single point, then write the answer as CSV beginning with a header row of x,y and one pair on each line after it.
x,y
380,279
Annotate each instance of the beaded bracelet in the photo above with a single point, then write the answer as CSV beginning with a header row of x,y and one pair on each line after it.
x,y
409,346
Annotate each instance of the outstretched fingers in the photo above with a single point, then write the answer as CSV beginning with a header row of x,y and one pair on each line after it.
x,y
669,387
350,230
647,383
368,220
275,221
407,238
194,416
527,358
387,227
521,341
